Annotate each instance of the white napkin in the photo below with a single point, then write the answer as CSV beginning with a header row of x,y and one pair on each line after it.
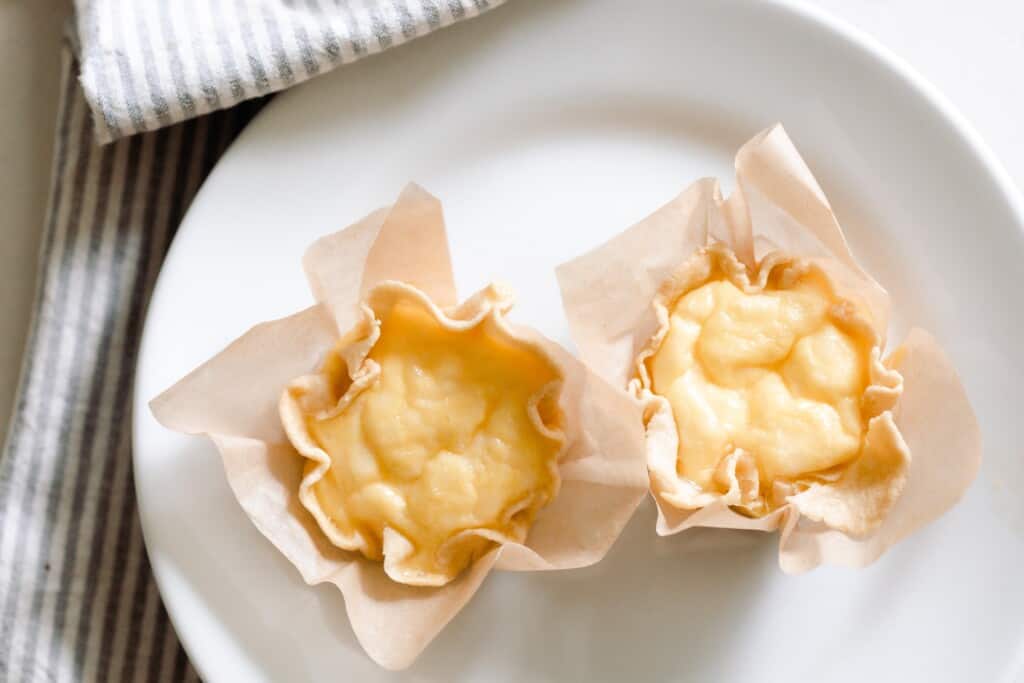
x,y
148,63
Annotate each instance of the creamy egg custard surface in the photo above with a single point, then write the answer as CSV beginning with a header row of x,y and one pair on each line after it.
x,y
776,373
450,447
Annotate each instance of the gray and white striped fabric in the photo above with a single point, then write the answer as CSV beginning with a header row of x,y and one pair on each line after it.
x,y
150,63
77,599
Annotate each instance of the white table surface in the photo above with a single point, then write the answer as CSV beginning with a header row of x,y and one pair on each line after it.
x,y
973,52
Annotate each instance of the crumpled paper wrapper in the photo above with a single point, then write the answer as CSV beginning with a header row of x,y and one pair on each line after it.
x,y
233,398
777,212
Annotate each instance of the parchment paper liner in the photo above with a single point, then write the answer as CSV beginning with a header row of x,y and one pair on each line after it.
x,y
233,398
778,211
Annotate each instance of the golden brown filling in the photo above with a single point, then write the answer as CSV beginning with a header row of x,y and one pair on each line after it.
x,y
775,374
450,437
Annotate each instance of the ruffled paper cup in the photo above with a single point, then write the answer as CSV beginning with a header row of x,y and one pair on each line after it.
x,y
922,446
235,397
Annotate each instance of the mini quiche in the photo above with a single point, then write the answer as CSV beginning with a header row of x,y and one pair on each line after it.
x,y
775,394
400,445
753,342
441,440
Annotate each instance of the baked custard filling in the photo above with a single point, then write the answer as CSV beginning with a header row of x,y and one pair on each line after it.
x,y
778,374
454,445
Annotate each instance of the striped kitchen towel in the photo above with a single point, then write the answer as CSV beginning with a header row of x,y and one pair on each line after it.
x,y
77,600
149,63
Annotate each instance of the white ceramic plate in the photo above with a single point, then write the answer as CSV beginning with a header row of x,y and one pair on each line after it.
x,y
546,127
